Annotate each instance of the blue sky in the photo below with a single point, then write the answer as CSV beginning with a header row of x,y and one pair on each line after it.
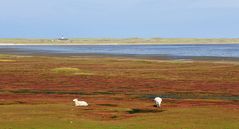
x,y
119,18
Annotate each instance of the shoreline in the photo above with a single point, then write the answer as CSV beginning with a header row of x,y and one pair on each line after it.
x,y
102,44
150,58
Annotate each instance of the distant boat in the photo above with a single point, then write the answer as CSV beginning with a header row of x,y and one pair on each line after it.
x,y
62,38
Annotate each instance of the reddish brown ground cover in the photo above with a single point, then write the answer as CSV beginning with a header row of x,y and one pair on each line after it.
x,y
117,83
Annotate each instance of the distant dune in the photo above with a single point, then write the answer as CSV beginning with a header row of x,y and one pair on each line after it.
x,y
127,41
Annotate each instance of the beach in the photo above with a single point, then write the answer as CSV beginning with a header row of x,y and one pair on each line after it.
x,y
119,41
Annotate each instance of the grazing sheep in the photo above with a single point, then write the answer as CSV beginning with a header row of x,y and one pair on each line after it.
x,y
80,103
158,101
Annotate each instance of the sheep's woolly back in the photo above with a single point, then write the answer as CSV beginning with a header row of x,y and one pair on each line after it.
x,y
80,103
158,101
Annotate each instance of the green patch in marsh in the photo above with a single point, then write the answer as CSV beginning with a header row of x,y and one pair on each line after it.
x,y
7,60
71,71
65,70
61,116
5,55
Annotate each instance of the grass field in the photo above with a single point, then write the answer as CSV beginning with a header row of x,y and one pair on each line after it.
x,y
59,116
134,41
36,92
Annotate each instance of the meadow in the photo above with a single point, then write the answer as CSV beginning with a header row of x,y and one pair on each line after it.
x,y
36,92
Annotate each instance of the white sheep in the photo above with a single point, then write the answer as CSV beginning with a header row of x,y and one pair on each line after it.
x,y
158,101
80,103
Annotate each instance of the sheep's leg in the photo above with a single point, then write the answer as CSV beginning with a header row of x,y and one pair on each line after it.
x,y
158,105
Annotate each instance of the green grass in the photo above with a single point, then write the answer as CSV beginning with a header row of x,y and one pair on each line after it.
x,y
65,70
60,116
5,60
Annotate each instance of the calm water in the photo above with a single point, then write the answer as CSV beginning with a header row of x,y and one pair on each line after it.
x,y
183,51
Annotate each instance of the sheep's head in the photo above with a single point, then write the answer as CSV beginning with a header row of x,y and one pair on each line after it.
x,y
75,100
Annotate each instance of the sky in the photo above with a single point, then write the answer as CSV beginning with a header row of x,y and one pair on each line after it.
x,y
119,18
